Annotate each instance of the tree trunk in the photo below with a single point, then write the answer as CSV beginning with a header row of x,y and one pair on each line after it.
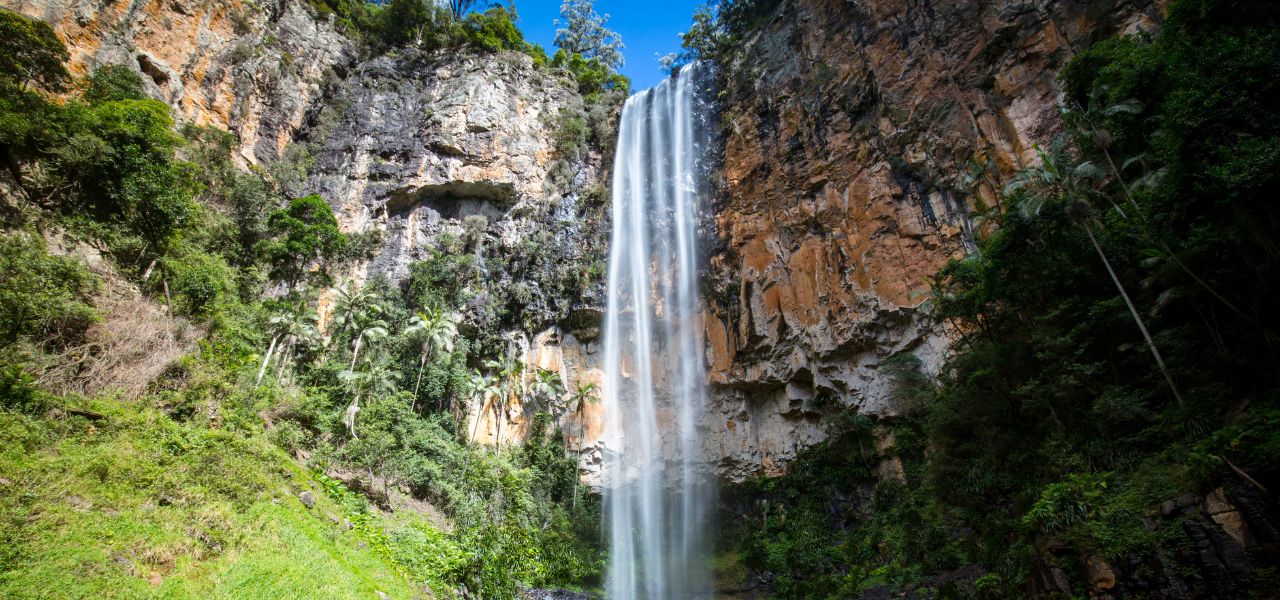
x,y
1169,251
266,359
422,363
577,462
350,416
1136,317
355,352
285,355
168,299
497,410
474,429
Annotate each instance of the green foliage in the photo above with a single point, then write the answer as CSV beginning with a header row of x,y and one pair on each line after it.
x,y
583,33
1067,504
592,75
43,297
717,30
33,55
441,280
300,235
494,30
18,391
113,83
135,500
198,280
115,163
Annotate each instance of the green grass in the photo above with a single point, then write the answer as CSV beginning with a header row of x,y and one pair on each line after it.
x,y
138,506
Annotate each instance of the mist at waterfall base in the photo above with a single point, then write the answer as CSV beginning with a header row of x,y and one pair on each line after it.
x,y
658,493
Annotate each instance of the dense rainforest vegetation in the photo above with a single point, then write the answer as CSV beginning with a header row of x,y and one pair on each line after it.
x,y
1117,350
212,432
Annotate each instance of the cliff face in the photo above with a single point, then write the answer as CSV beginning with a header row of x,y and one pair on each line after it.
x,y
850,127
409,146
252,68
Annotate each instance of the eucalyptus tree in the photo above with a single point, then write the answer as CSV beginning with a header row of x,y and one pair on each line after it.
x,y
1061,180
460,8
438,329
581,30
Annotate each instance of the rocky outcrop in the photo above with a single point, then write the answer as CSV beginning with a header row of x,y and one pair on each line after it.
x,y
414,144
1208,546
850,128
253,68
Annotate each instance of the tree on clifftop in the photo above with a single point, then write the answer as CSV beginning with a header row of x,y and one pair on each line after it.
x,y
582,31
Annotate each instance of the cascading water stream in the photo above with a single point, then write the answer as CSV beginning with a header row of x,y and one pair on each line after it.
x,y
656,495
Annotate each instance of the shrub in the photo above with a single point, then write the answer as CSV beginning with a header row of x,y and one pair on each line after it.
x,y
41,296
198,280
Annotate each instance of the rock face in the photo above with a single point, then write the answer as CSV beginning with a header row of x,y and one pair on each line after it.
x,y
849,129
415,144
253,68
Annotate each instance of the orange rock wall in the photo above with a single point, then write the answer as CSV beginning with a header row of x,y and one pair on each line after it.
x,y
253,68
848,129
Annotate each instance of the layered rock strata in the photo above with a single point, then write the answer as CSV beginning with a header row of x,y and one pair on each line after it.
x,y
860,137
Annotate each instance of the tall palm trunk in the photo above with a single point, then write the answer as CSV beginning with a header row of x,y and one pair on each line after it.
x,y
266,359
474,429
577,462
350,416
356,351
1136,317
285,356
422,363
498,409
1169,251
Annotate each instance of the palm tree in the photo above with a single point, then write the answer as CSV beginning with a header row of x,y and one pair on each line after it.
x,y
508,374
300,331
582,396
438,329
358,311
377,380
1057,179
546,385
482,386
290,327
1089,121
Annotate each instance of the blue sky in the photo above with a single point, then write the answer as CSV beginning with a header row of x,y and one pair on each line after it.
x,y
649,29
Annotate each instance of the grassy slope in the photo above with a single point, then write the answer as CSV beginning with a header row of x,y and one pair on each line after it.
x,y
136,505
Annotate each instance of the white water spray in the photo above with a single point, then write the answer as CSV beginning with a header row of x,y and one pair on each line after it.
x,y
656,496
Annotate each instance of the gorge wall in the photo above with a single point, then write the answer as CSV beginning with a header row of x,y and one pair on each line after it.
x,y
851,133
850,128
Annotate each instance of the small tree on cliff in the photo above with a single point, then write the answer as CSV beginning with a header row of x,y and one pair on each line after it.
x,y
301,234
33,54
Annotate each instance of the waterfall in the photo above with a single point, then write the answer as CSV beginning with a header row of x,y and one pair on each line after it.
x,y
657,494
